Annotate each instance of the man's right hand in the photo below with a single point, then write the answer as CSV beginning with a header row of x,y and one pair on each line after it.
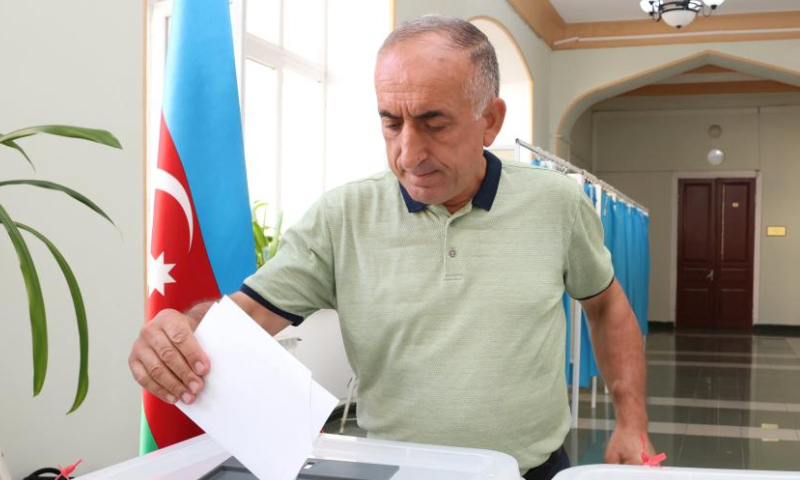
x,y
167,360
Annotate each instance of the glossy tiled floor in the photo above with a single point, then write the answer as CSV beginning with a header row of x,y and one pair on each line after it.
x,y
716,400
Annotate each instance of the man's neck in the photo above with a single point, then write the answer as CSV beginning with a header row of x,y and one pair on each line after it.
x,y
457,203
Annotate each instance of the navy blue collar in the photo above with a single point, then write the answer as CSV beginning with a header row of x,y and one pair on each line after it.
x,y
486,193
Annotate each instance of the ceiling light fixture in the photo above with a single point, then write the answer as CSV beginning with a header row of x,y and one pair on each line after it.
x,y
678,13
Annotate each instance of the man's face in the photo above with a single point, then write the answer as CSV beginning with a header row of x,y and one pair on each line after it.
x,y
434,144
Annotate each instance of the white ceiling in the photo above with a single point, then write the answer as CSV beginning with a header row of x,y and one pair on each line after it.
x,y
580,11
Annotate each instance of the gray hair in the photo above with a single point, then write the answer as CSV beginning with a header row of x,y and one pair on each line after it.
x,y
483,86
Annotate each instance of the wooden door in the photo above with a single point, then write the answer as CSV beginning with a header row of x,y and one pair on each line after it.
x,y
715,253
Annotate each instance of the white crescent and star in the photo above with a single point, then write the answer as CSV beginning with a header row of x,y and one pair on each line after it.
x,y
171,186
158,272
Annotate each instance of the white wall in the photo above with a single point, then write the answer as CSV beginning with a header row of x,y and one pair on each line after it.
x,y
73,63
515,86
536,52
578,72
780,169
642,152
579,150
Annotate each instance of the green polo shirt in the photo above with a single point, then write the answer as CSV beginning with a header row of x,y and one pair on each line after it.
x,y
452,322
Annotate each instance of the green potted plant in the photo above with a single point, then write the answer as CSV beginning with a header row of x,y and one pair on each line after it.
x,y
14,229
266,237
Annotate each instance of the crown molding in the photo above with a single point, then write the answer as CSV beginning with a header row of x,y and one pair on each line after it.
x,y
546,22
712,88
542,17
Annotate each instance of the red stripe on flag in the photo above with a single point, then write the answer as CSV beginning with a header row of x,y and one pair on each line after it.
x,y
179,276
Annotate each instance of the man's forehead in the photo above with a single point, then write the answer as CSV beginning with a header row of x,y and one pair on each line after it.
x,y
424,59
417,95
403,78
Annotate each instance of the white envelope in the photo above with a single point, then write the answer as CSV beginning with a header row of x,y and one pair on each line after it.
x,y
259,402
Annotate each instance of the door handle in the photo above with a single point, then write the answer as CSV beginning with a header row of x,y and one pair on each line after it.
x,y
710,275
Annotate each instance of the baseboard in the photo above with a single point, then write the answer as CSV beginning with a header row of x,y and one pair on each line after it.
x,y
760,329
661,327
777,330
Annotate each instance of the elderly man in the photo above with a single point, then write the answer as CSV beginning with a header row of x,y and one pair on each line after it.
x,y
447,274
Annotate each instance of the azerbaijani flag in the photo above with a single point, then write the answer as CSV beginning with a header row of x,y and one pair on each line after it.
x,y
202,242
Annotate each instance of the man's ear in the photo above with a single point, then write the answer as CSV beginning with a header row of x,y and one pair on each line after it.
x,y
494,116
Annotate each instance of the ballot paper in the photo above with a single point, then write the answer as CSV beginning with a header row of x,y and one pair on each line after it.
x,y
259,402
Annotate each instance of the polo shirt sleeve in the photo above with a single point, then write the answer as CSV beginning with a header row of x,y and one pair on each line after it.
x,y
299,279
589,270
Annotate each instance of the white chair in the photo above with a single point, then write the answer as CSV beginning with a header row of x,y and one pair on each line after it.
x,y
352,384
5,473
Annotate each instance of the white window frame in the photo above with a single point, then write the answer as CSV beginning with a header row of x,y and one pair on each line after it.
x,y
275,56
246,47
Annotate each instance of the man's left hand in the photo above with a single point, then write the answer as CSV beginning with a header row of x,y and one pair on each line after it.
x,y
624,447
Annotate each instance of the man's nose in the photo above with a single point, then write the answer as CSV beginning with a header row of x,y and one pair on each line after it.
x,y
414,148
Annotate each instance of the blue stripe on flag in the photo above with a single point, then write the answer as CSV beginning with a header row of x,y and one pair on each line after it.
x,y
201,110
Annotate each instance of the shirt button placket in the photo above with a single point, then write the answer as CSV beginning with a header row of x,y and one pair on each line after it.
x,y
449,251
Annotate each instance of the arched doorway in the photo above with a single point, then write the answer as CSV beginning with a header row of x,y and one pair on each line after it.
x,y
516,87
655,75
651,134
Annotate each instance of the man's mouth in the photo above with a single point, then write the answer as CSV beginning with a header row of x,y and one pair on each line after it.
x,y
421,179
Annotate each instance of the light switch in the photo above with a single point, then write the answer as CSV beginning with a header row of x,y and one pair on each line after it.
x,y
776,231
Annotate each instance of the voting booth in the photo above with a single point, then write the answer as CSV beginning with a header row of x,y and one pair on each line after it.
x,y
627,472
333,457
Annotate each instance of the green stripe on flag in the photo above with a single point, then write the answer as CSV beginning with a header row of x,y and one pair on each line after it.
x,y
147,443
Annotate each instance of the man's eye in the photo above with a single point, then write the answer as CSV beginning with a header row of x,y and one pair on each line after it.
x,y
435,127
392,126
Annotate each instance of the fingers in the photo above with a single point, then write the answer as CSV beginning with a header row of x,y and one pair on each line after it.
x,y
167,360
146,381
620,458
612,457
623,448
177,367
182,337
163,375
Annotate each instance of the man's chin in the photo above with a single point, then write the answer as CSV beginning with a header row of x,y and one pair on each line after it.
x,y
423,195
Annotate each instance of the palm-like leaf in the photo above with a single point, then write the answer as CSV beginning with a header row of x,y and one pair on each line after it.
x,y
35,301
273,244
13,144
93,135
55,186
80,315
35,298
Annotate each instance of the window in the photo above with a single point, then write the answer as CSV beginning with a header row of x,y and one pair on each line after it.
x,y
284,103
282,93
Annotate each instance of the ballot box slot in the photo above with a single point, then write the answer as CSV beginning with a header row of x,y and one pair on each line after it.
x,y
313,469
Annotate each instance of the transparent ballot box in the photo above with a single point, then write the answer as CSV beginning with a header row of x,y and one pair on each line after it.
x,y
334,457
627,472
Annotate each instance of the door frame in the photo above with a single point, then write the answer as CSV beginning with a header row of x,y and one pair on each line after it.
x,y
673,283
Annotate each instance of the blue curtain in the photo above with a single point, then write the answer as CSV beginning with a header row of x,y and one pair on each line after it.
x,y
640,252
619,240
627,238
626,235
588,364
